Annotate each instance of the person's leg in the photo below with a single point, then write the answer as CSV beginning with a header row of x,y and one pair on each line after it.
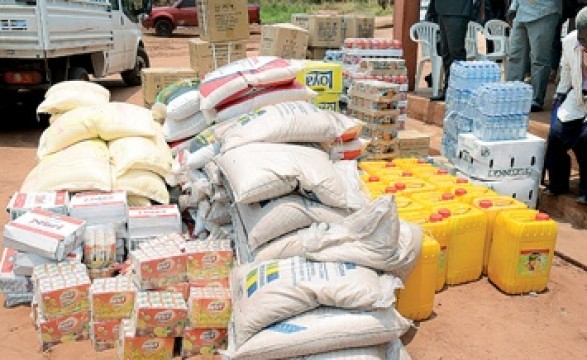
x,y
580,150
456,33
557,160
445,53
557,46
518,58
540,32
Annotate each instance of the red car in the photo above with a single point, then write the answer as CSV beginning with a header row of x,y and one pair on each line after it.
x,y
165,19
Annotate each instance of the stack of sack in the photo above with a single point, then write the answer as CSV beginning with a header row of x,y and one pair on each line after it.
x,y
96,145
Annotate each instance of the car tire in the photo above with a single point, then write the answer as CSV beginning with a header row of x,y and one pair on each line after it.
x,y
133,77
163,27
78,73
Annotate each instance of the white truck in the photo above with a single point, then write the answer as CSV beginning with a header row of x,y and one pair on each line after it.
x,y
43,42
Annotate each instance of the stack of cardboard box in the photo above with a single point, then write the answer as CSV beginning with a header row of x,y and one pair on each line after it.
x,y
326,32
326,79
285,41
156,79
224,30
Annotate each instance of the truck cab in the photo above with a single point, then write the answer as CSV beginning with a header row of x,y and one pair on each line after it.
x,y
43,42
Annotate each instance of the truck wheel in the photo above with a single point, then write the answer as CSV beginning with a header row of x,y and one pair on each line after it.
x,y
133,77
163,28
78,73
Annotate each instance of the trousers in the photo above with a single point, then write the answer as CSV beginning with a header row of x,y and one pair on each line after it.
x,y
453,30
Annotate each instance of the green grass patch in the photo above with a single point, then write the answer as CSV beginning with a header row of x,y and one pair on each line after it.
x,y
279,11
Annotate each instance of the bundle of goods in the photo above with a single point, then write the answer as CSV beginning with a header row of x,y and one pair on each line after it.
x,y
326,32
486,132
466,77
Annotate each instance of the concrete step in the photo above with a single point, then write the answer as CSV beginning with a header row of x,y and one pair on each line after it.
x,y
426,117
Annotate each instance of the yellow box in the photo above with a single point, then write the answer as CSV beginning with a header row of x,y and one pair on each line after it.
x,y
467,241
322,76
405,204
327,101
437,227
433,198
156,79
522,251
466,193
445,182
492,206
416,300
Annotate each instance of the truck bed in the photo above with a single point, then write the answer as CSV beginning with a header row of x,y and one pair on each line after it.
x,y
53,28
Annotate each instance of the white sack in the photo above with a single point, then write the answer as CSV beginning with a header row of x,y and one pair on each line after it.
x,y
117,119
272,291
183,106
68,95
140,153
178,130
267,220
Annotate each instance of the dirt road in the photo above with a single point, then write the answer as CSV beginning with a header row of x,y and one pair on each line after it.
x,y
472,321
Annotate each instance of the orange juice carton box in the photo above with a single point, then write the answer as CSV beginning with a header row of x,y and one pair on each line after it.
x,y
112,298
56,269
158,266
209,260
182,288
21,202
44,233
209,307
132,347
178,240
65,294
73,327
153,220
203,342
104,334
99,207
159,314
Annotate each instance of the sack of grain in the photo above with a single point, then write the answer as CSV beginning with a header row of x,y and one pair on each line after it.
x,y
143,183
219,214
140,153
177,130
68,95
117,120
296,121
267,220
258,172
319,331
138,201
409,246
256,100
272,291
370,237
348,172
390,351
236,79
84,166
183,106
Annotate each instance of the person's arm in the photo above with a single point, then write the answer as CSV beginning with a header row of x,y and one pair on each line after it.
x,y
565,82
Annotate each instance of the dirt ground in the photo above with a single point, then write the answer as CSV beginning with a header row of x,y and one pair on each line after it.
x,y
472,321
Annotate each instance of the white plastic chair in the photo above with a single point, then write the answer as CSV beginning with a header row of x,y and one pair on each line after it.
x,y
473,31
426,34
496,32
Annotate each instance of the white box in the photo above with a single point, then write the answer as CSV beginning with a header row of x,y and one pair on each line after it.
x,y
524,189
44,233
9,282
21,203
153,221
24,263
500,160
99,207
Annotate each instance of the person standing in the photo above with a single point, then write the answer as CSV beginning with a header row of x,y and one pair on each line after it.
x,y
531,40
569,130
453,19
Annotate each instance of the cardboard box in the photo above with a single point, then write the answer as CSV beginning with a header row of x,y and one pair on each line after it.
x,y
152,221
158,266
208,260
99,207
63,294
204,342
131,347
523,189
373,132
159,314
44,233
206,56
223,20
327,101
412,139
112,298
316,53
104,334
209,307
75,327
377,91
21,203
9,282
284,40
325,30
356,26
499,160
322,76
24,262
380,150
155,79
